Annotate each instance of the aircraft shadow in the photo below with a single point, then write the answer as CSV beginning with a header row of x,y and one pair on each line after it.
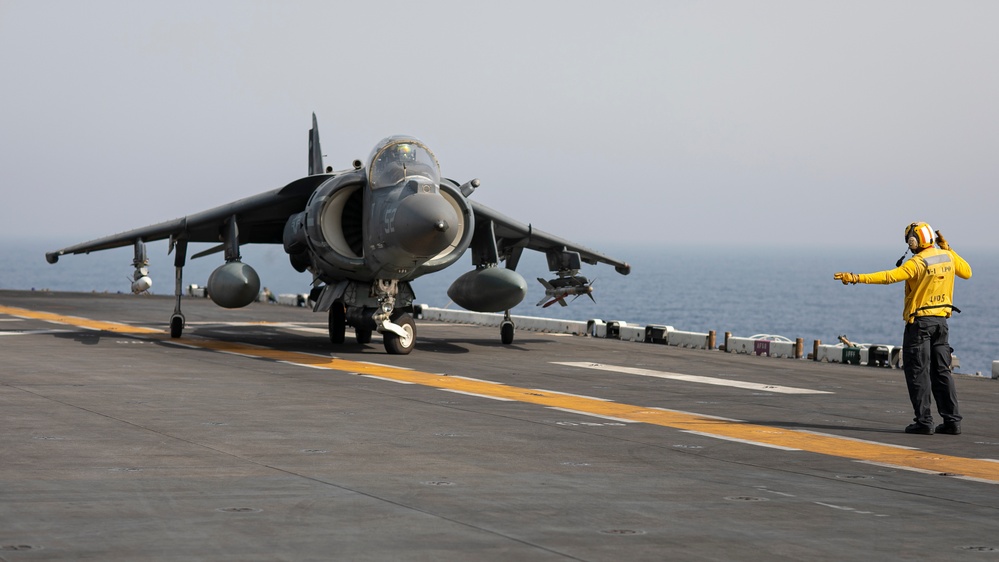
x,y
85,337
286,341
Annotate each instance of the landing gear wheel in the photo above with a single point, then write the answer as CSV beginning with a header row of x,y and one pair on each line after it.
x,y
363,335
506,333
338,323
397,345
176,325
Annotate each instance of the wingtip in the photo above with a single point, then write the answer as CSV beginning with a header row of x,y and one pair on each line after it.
x,y
623,269
52,257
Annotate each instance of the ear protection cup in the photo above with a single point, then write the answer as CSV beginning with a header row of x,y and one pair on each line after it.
x,y
910,237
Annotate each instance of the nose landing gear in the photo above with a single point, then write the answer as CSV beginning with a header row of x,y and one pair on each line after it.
x,y
399,344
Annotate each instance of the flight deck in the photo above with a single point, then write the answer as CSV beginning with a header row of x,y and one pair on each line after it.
x,y
253,437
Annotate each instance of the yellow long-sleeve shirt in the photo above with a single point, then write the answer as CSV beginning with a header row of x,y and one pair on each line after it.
x,y
929,281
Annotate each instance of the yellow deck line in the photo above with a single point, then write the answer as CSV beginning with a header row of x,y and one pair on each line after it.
x,y
830,445
77,321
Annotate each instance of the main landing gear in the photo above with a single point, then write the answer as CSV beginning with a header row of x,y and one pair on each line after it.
x,y
399,336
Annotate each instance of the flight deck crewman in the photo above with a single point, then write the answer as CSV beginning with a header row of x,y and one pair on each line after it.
x,y
929,300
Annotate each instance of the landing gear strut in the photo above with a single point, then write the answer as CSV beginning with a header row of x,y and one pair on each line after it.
x,y
177,321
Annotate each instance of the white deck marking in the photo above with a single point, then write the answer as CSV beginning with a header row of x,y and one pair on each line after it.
x,y
592,415
692,378
573,395
737,440
386,379
35,332
466,393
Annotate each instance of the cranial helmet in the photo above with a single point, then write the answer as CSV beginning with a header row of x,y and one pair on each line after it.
x,y
918,236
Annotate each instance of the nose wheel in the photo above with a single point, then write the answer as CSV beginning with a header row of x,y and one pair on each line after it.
x,y
507,329
398,344
176,325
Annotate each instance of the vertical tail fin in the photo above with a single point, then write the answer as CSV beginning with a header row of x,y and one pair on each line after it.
x,y
315,153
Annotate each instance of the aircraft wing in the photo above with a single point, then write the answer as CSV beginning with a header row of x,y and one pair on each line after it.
x,y
513,236
260,218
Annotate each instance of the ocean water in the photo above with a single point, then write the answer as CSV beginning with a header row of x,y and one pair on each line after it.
x,y
787,292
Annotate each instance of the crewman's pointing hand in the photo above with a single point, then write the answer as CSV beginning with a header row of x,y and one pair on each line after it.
x,y
847,278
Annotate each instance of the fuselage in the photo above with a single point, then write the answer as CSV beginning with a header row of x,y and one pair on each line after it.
x,y
396,219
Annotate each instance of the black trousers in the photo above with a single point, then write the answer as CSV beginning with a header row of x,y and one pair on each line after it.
x,y
926,361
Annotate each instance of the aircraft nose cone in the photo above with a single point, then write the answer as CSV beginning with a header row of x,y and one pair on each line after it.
x,y
425,224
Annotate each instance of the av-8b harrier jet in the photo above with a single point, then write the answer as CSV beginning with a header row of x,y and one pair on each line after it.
x,y
364,234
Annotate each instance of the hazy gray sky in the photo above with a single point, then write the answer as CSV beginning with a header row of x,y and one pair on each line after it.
x,y
766,123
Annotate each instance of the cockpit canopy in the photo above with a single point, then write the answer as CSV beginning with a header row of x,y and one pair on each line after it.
x,y
399,158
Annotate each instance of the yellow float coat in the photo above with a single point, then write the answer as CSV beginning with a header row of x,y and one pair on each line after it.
x,y
929,294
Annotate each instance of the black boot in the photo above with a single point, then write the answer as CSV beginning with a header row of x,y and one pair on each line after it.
x,y
920,428
950,428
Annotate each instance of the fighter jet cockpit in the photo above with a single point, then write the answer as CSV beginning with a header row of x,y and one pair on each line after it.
x,y
397,159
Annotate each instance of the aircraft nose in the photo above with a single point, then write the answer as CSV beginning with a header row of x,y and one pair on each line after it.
x,y
425,224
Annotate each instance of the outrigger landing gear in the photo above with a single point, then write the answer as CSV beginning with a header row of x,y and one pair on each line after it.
x,y
177,321
506,329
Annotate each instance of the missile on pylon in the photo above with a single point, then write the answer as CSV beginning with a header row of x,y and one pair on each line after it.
x,y
556,290
141,281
